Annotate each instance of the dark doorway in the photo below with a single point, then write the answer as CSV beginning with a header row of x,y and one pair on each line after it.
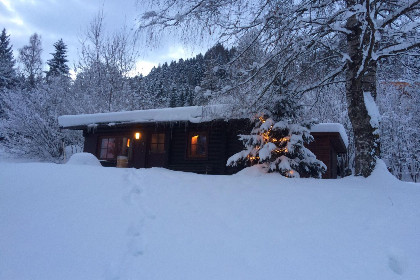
x,y
157,150
139,152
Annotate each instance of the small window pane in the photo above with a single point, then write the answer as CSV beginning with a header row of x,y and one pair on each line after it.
x,y
110,154
154,138
193,150
157,143
103,153
153,148
104,142
202,140
161,138
198,144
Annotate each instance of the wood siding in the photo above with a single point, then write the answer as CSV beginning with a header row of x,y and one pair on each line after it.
x,y
324,150
213,163
222,143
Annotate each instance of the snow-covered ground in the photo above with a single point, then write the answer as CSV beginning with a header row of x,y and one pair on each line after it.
x,y
75,221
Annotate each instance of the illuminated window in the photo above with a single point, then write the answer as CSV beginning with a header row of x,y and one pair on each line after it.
x,y
197,144
111,147
157,143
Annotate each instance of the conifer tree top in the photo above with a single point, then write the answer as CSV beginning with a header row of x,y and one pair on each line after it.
x,y
7,62
58,64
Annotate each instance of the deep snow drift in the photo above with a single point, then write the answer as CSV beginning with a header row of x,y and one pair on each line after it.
x,y
87,222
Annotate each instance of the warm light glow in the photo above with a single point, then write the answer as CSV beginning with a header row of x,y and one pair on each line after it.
x,y
266,136
128,143
252,158
194,140
137,135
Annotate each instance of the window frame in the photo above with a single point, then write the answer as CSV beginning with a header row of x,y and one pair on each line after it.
x,y
158,144
189,145
118,141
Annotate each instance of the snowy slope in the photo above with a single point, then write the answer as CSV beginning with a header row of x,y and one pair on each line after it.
x,y
87,222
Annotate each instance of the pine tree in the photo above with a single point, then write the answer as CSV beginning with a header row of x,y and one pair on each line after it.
x,y
58,64
7,62
277,142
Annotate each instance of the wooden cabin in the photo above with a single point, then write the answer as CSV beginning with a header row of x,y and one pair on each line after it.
x,y
193,139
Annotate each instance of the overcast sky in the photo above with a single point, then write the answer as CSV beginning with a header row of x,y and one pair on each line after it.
x,y
67,19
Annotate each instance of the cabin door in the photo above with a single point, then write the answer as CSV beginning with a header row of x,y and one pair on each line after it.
x,y
157,150
139,153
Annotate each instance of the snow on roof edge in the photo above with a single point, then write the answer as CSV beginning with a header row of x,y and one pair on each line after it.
x,y
193,114
332,127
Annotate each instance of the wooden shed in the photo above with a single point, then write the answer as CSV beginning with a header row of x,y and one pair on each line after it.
x,y
193,139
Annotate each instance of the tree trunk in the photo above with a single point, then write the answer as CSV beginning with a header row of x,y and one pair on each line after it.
x,y
359,80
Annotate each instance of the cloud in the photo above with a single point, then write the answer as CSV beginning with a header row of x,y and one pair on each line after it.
x,y
67,20
7,4
55,20
142,67
158,56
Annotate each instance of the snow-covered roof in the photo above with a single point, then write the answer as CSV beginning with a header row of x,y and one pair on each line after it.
x,y
332,127
195,114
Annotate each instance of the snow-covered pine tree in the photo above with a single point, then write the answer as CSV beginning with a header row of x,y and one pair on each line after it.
x,y
58,64
7,62
277,141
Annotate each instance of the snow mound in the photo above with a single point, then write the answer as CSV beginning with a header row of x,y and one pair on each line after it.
x,y
381,173
254,171
84,159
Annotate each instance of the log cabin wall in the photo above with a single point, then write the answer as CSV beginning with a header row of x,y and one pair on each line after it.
x,y
90,143
222,143
323,150
233,144
176,145
213,162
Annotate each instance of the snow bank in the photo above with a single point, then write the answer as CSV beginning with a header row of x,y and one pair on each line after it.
x,y
332,127
80,222
193,114
84,159
255,170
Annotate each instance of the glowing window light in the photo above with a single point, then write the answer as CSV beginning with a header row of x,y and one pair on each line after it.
x,y
194,140
137,135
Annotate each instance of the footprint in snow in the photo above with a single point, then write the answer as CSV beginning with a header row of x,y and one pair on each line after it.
x,y
395,265
135,245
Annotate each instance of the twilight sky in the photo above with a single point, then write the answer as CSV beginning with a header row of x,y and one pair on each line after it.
x,y
67,19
